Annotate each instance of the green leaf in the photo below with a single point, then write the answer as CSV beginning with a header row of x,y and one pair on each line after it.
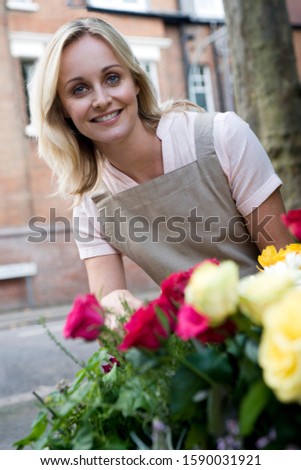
x,y
111,376
37,429
80,396
141,360
196,437
211,364
184,386
93,364
251,351
132,397
199,371
163,319
252,406
215,413
83,439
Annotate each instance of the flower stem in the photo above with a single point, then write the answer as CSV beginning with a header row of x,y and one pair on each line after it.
x,y
198,372
62,348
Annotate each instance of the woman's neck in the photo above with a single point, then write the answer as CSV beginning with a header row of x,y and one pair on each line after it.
x,y
141,159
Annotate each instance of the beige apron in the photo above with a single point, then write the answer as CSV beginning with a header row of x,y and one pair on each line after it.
x,y
178,219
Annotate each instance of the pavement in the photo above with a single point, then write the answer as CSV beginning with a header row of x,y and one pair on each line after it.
x,y
29,316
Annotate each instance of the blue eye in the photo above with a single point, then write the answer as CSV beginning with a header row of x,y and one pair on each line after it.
x,y
113,79
80,89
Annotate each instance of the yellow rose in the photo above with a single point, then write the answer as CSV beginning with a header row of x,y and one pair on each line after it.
x,y
212,290
259,291
280,348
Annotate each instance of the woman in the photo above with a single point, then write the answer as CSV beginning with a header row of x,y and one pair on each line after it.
x,y
167,188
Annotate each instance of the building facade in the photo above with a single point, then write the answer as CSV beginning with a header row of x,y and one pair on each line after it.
x,y
183,47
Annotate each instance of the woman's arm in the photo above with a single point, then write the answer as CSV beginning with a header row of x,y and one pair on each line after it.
x,y
107,281
265,225
105,274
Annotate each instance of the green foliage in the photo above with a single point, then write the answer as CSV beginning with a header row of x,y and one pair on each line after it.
x,y
185,395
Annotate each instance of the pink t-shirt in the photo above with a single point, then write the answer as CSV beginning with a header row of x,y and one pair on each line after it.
x,y
244,161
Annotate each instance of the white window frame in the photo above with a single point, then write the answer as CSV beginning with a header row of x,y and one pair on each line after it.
x,y
28,47
199,81
148,52
130,5
27,70
24,5
213,9
150,67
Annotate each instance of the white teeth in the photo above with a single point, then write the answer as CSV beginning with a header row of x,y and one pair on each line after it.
x,y
107,117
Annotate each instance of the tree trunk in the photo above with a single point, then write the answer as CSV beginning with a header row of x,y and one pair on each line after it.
x,y
266,87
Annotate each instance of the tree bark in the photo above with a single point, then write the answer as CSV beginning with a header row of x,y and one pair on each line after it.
x,y
267,90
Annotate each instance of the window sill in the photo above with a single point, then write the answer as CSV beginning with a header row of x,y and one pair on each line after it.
x,y
22,6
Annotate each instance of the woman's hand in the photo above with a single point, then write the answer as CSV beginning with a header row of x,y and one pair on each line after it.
x,y
116,304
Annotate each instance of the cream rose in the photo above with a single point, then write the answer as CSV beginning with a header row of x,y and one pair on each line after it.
x,y
280,347
259,291
212,290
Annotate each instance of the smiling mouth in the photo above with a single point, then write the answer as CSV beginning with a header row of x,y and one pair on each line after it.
x,y
107,117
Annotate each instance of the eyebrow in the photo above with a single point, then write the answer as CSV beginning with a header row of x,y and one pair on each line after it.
x,y
76,79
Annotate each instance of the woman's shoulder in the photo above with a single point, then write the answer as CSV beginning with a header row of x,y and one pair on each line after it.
x,y
230,120
177,121
187,118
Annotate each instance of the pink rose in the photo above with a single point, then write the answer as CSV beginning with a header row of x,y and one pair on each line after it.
x,y
84,320
218,334
145,328
292,220
190,323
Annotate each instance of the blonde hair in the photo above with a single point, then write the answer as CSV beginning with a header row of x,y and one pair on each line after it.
x,y
73,158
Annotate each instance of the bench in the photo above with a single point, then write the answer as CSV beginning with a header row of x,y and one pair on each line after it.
x,y
20,270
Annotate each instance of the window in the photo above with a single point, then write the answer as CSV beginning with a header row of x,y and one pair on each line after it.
x,y
27,47
212,9
27,70
150,67
132,5
27,5
200,88
148,52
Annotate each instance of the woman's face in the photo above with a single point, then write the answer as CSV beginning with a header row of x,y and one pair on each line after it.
x,y
97,92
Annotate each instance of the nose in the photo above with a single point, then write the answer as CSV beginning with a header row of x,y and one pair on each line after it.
x,y
101,98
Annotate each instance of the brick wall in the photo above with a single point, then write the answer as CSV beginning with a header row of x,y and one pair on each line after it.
x,y
14,194
25,180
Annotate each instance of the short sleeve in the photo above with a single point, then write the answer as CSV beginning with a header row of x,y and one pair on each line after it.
x,y
250,173
87,230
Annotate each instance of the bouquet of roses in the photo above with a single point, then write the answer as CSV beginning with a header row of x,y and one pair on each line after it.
x,y
214,362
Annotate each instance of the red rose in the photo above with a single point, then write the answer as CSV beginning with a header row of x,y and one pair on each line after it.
x,y
190,323
149,325
84,320
292,220
173,286
218,334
